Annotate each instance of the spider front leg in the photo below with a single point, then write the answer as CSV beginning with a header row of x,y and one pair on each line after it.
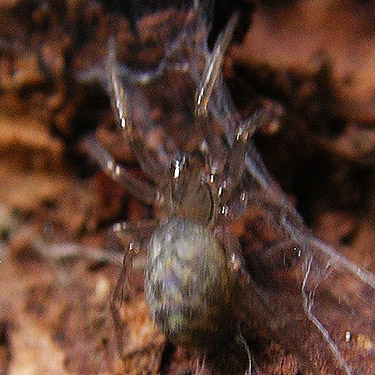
x,y
147,158
210,76
213,67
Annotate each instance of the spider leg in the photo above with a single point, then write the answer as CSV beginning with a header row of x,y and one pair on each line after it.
x,y
242,341
233,254
147,159
122,231
118,294
213,67
236,158
140,189
236,264
210,76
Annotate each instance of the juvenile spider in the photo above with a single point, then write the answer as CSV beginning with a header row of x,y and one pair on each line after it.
x,y
193,266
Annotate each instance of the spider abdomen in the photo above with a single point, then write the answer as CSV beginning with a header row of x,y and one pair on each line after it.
x,y
189,288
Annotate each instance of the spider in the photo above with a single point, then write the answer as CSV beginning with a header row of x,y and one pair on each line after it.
x,y
194,267
295,285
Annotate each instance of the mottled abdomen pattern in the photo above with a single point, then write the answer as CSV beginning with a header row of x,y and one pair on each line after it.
x,y
189,288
